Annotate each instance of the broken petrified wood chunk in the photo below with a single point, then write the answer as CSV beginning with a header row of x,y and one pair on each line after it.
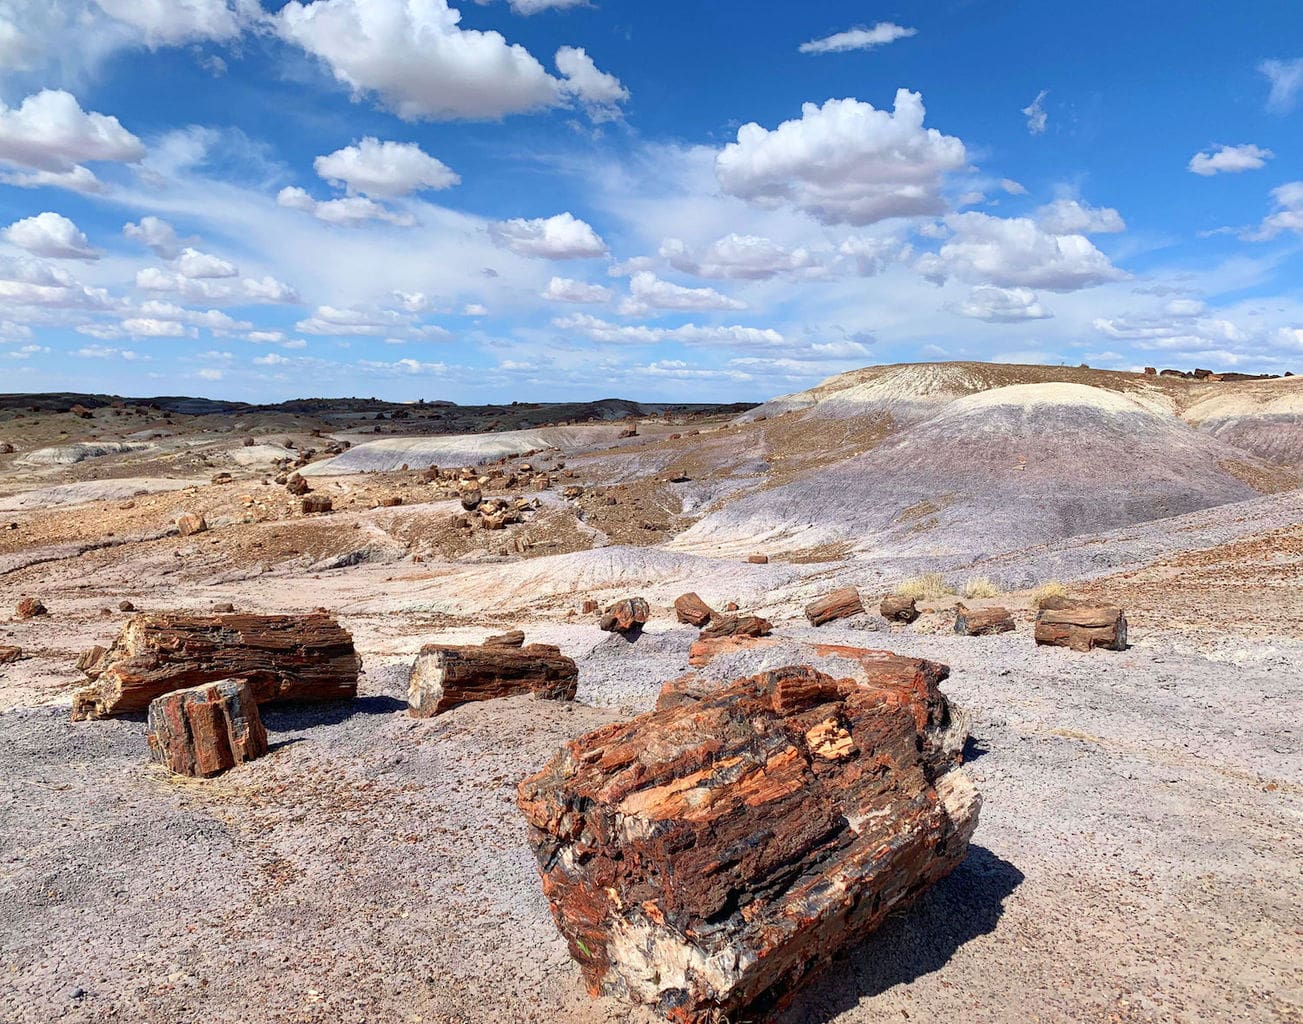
x,y
727,624
313,504
982,621
9,654
840,604
286,657
511,638
446,675
204,730
189,524
692,610
30,608
1082,628
895,608
758,559
625,616
705,859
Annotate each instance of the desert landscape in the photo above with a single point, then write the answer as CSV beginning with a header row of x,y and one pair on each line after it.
x,y
396,845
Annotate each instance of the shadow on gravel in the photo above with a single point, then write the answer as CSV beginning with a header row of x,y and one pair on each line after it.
x,y
973,749
922,939
288,717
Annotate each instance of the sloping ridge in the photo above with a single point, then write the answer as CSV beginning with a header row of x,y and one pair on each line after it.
x,y
993,471
1261,417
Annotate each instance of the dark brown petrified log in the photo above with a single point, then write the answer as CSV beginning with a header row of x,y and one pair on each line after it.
x,y
446,675
840,604
286,657
1082,628
692,610
511,638
895,608
727,624
982,621
204,730
625,616
705,859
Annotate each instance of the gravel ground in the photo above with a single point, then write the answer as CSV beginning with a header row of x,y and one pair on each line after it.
x,y
1139,856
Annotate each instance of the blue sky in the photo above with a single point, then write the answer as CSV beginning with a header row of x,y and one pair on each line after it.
x,y
549,199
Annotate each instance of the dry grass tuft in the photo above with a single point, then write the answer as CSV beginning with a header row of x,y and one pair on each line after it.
x,y
980,586
929,586
1051,588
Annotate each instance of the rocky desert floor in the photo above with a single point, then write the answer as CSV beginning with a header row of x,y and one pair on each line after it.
x,y
1140,851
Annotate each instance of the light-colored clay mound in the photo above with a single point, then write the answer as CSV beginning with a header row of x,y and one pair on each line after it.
x,y
1015,466
71,454
89,490
460,449
1261,417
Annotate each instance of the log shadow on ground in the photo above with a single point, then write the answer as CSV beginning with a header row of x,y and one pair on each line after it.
x,y
965,905
290,717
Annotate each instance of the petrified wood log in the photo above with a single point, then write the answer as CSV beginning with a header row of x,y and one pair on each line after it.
x,y
313,504
692,610
511,638
705,859
726,624
30,608
204,730
9,654
188,524
840,604
625,616
895,608
1082,628
982,621
446,675
286,657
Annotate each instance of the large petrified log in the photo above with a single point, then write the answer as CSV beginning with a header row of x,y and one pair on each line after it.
x,y
895,608
446,675
625,616
982,621
840,604
691,610
204,730
1082,627
704,859
286,657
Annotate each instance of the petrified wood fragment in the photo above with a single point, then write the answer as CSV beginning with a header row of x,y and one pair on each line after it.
x,y
511,638
727,624
286,657
982,621
705,859
30,608
204,730
895,608
9,654
840,604
446,675
625,616
313,504
692,610
190,523
1082,628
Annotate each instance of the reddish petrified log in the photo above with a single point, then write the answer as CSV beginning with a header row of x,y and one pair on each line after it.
x,y
30,608
313,504
446,675
286,658
982,621
705,859
188,524
1082,628
840,604
895,608
692,610
727,624
511,638
758,559
204,730
625,616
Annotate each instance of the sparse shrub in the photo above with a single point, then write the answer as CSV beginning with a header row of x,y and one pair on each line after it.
x,y
1051,588
980,586
929,586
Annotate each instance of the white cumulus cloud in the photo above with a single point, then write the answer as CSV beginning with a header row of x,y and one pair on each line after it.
x,y
52,235
192,263
1002,305
155,234
598,92
561,237
172,22
565,289
844,162
746,257
48,138
647,292
347,211
384,169
1230,160
1072,217
1286,78
1037,118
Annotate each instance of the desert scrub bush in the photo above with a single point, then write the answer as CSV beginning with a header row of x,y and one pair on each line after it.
x,y
980,586
926,587
1051,588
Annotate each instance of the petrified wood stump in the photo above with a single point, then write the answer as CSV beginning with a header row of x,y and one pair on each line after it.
x,y
692,610
286,657
446,675
840,604
625,616
895,608
705,859
315,504
982,621
204,730
1082,628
